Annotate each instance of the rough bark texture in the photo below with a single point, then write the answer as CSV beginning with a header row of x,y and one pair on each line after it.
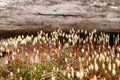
x,y
49,15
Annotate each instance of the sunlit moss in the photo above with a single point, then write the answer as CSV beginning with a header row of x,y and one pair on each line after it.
x,y
77,54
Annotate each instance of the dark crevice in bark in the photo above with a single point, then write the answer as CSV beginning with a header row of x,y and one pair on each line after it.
x,y
64,15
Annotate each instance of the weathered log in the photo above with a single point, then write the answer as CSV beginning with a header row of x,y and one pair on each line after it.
x,y
21,16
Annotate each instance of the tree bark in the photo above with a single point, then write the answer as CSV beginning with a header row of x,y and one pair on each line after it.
x,y
17,16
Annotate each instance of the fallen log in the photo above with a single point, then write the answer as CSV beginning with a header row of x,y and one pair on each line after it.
x,y
17,17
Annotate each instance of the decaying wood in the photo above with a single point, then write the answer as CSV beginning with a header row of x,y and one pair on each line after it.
x,y
49,15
